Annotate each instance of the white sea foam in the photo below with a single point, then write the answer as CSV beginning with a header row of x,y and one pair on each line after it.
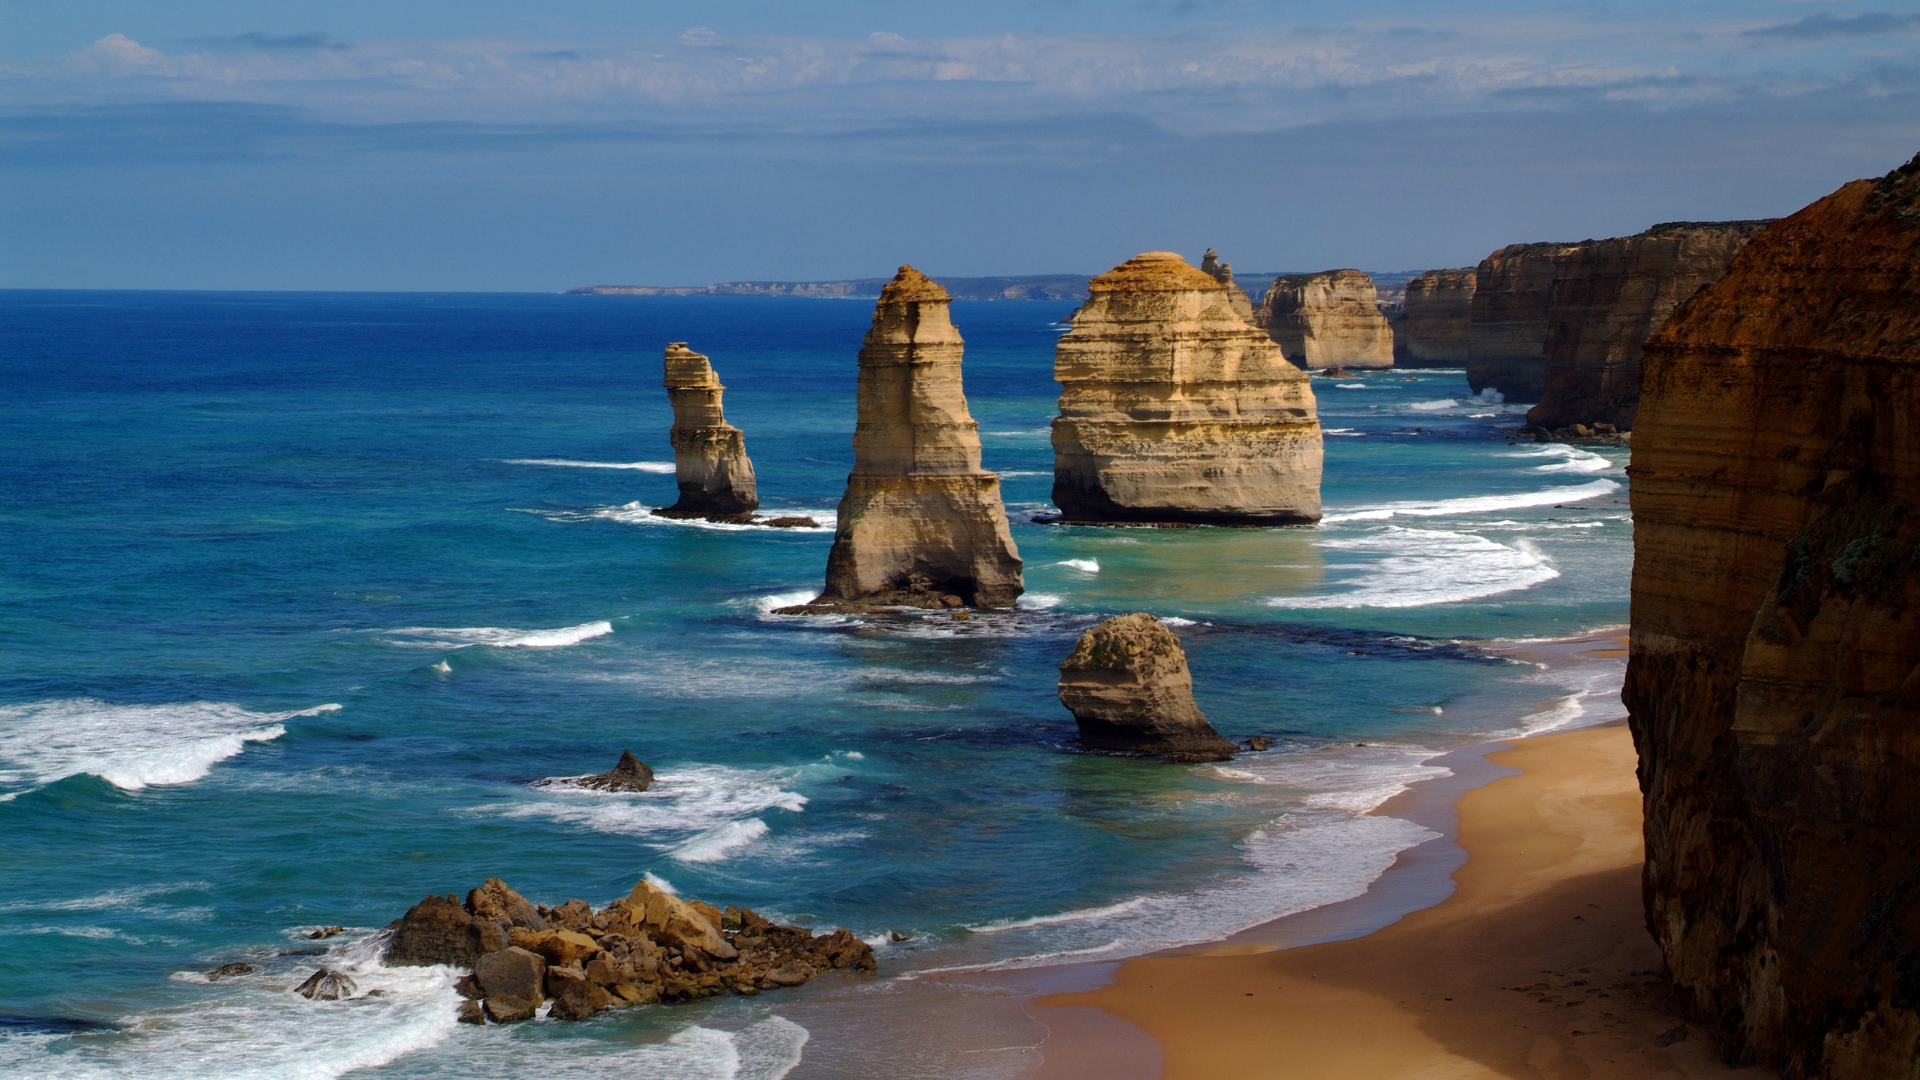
x,y
1473,504
1345,432
696,813
666,467
1085,566
1027,472
1421,567
766,1050
1038,600
1569,459
460,637
1490,395
128,746
638,513
1084,914
717,845
1433,406
1351,385
1175,620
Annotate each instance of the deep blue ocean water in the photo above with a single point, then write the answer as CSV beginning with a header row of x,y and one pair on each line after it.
x,y
302,595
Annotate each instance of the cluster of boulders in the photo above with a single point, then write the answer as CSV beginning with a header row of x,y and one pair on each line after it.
x,y
650,946
1603,433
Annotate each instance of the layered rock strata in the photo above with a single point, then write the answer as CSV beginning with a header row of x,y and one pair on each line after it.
x,y
1608,296
709,455
1434,328
1507,329
1774,674
1128,687
1237,297
921,523
650,946
1174,410
1329,319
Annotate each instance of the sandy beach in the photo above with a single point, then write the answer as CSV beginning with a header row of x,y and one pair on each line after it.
x,y
1538,965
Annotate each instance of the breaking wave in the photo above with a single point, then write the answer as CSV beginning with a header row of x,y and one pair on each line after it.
x,y
638,466
128,746
1475,504
1422,567
460,637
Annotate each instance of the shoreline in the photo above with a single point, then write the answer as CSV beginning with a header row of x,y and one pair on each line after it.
x,y
1460,960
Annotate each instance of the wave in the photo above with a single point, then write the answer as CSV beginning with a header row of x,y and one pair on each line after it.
x,y
697,813
1433,406
1085,566
1343,431
1474,504
716,845
1027,472
1350,386
1572,459
460,637
1423,567
638,513
666,467
129,746
1038,600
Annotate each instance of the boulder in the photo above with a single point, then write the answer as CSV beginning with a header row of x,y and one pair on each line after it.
x,y
670,920
495,901
920,520
575,914
841,949
557,947
327,985
574,998
1328,319
226,970
709,455
1128,687
471,1012
631,774
513,982
437,930
1175,410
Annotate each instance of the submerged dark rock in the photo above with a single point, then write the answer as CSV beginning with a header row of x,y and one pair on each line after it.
x,y
327,984
227,970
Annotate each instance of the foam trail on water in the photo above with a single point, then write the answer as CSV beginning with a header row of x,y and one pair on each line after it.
x,y
717,845
1473,504
128,746
666,467
638,513
1571,459
696,813
1420,567
460,637
1085,566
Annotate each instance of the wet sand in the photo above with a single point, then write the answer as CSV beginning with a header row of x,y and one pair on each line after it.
x,y
1538,964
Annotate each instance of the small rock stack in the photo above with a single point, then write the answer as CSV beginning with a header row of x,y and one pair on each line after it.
x,y
1222,272
1128,687
709,455
651,946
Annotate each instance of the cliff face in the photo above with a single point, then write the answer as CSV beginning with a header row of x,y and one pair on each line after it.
x,y
1439,310
709,454
1773,683
1608,295
1237,297
1128,688
1507,332
1329,319
921,523
1174,409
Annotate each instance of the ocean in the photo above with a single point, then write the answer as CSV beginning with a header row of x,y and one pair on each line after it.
x,y
303,595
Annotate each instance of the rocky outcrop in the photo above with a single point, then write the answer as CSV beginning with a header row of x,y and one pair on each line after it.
x,y
1608,295
1128,687
1774,672
1329,319
1507,332
1237,297
709,455
649,946
1434,329
1173,409
921,523
630,774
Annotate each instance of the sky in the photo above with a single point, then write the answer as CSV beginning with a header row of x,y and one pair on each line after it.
x,y
488,145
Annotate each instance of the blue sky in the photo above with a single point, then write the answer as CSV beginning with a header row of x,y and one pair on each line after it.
x,y
493,145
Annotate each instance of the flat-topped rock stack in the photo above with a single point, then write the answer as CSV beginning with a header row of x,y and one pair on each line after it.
x,y
1436,328
1507,332
1173,409
1221,272
649,946
1329,319
709,455
1608,296
1128,688
921,523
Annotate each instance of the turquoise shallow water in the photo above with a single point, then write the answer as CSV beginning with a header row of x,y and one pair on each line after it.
x,y
301,595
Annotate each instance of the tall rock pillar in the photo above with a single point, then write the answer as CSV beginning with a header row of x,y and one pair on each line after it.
x,y
1174,409
921,523
709,455
1329,319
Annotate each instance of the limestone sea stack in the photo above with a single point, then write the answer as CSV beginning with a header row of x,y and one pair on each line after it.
x,y
1128,687
921,523
1173,409
1221,272
1329,319
709,455
1773,681
1608,295
1507,331
1434,332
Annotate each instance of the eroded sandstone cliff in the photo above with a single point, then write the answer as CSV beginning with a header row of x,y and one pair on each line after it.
x,y
1174,409
709,455
1608,295
1128,687
1434,332
921,523
1222,272
1507,332
1774,674
1329,319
